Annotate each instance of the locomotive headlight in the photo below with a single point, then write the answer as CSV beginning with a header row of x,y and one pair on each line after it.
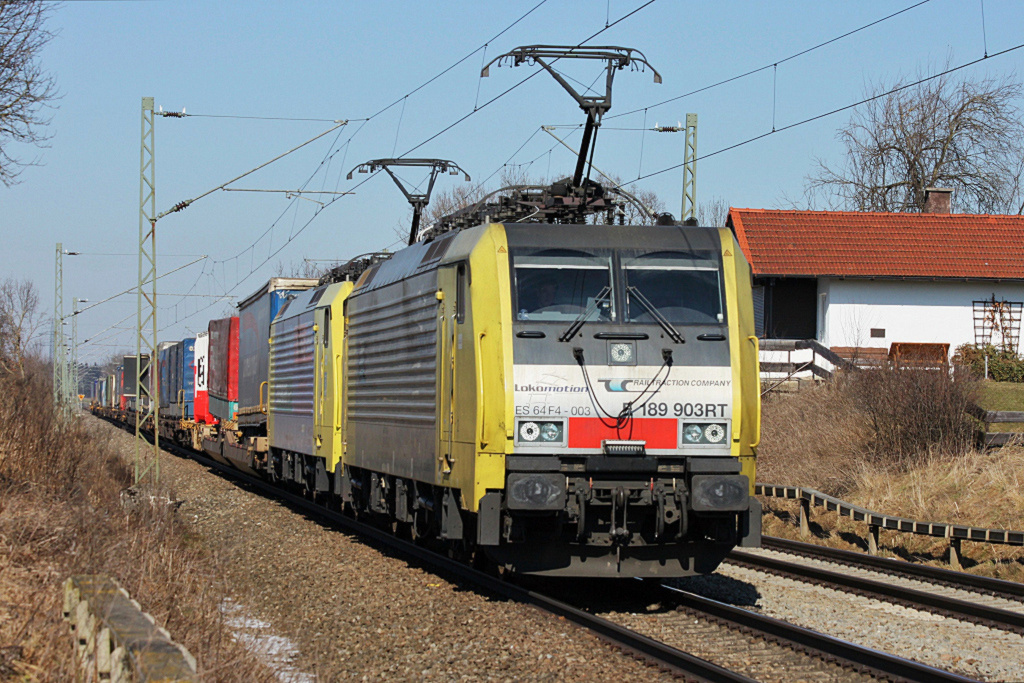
x,y
692,433
551,431
713,433
719,493
621,353
529,431
541,432
536,491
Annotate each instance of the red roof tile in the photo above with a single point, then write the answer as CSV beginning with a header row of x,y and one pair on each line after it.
x,y
897,245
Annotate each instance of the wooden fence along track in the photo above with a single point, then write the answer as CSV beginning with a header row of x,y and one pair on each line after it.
x,y
987,417
876,521
791,367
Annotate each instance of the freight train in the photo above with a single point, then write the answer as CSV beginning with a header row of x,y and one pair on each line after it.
x,y
531,382
562,399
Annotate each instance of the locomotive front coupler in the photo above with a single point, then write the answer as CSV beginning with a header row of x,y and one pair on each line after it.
x,y
620,535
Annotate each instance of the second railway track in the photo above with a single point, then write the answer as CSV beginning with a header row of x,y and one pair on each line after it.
x,y
989,602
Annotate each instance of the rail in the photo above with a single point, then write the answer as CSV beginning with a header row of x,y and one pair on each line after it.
x,y
988,439
116,640
954,533
685,664
676,661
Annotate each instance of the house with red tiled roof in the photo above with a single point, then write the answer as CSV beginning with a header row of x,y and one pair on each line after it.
x,y
861,279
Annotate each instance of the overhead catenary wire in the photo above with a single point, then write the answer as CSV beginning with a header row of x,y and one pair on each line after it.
x,y
363,122
524,80
188,202
256,118
774,63
837,110
135,289
295,233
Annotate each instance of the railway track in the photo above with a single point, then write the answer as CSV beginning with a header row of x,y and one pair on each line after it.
x,y
784,648
763,647
981,600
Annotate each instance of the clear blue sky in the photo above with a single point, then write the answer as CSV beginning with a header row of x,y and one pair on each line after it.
x,y
330,60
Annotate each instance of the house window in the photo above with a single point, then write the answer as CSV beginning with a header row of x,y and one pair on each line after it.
x,y
791,308
877,333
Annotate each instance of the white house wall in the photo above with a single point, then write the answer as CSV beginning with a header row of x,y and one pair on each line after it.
x,y
908,310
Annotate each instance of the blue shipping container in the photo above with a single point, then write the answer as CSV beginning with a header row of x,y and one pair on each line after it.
x,y
187,376
255,315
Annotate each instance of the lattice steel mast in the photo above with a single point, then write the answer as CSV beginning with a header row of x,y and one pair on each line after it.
x,y
58,333
147,402
689,208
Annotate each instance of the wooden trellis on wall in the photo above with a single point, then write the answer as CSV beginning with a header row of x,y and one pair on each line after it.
x,y
997,323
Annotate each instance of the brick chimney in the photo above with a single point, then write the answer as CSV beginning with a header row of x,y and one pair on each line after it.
x,y
937,200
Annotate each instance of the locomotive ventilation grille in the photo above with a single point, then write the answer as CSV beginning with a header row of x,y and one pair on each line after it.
x,y
392,359
292,351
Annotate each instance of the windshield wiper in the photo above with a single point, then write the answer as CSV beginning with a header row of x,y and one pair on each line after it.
x,y
576,324
669,328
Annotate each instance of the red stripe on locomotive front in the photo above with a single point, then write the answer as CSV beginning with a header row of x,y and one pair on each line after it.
x,y
588,432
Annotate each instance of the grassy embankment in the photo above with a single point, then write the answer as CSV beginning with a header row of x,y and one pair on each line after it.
x,y
844,439
60,484
1002,396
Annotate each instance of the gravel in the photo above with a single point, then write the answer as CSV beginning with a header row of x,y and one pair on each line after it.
x,y
345,610
968,649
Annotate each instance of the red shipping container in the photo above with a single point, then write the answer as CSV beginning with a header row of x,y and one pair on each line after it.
x,y
122,402
224,359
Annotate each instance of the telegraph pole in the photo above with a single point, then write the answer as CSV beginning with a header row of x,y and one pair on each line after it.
x,y
147,402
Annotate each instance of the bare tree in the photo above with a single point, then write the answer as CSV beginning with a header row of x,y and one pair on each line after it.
x,y
306,268
25,89
966,135
456,197
713,212
634,215
20,321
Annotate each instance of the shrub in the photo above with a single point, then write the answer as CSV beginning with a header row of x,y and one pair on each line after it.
x,y
60,480
880,419
914,413
1003,365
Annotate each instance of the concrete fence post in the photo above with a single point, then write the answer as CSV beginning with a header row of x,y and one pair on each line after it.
x,y
954,553
873,539
115,640
805,518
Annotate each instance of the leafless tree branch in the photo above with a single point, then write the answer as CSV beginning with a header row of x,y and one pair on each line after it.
x,y
20,321
965,135
26,91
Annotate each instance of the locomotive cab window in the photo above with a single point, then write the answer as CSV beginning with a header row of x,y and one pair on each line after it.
x,y
562,284
680,287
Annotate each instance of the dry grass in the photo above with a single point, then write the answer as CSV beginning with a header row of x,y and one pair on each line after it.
x,y
60,515
823,439
816,438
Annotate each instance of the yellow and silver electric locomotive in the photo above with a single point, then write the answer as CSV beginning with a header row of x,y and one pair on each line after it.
x,y
576,400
